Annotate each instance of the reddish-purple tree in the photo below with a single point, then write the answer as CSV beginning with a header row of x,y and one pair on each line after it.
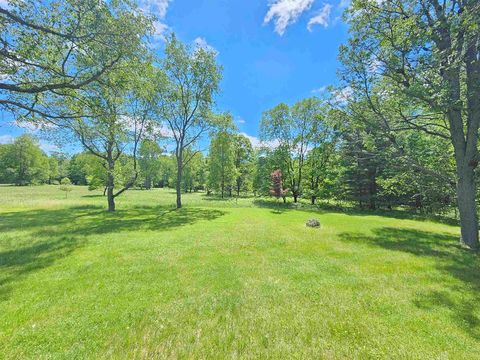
x,y
277,189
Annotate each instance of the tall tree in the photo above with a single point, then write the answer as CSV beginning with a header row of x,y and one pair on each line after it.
x,y
149,162
193,80
221,162
429,53
117,114
243,158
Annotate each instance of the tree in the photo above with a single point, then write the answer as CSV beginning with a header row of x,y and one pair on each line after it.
x,y
51,48
23,162
261,174
427,52
243,157
294,129
277,189
66,186
193,80
149,162
194,176
116,119
221,162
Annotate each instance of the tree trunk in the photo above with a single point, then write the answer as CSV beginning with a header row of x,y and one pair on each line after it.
x,y
110,197
178,186
295,197
110,186
467,206
313,199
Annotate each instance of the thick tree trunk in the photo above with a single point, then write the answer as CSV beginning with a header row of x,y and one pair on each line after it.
x,y
466,192
295,198
313,199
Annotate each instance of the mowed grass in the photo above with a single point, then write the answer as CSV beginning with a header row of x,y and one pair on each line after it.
x,y
227,279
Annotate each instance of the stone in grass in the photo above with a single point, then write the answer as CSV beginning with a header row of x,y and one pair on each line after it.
x,y
313,223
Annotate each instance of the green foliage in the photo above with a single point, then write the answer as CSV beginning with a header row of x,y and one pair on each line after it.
x,y
66,186
193,78
222,172
23,162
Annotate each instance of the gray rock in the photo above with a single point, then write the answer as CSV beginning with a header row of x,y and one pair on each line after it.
x,y
313,223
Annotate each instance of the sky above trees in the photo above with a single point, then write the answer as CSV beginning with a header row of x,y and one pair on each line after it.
x,y
271,51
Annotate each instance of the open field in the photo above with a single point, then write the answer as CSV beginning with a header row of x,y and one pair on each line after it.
x,y
226,279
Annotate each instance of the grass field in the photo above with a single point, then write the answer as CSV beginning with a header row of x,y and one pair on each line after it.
x,y
227,279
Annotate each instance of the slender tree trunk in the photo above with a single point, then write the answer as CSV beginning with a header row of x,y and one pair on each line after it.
x,y
295,197
110,197
178,186
313,199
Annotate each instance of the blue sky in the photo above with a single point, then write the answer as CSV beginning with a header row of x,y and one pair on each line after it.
x,y
271,51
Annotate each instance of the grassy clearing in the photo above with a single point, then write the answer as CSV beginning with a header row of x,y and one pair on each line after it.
x,y
227,279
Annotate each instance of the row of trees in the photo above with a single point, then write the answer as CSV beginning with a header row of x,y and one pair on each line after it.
x,y
348,161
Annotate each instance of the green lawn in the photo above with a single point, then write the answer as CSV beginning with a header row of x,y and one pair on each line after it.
x,y
227,279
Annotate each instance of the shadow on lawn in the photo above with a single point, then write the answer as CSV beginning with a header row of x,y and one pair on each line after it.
x,y
279,207
449,258
55,234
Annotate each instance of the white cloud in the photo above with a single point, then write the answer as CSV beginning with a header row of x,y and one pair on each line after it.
x,y
342,96
344,3
322,18
47,147
6,139
160,29
257,143
240,120
320,90
201,43
158,8
4,3
286,12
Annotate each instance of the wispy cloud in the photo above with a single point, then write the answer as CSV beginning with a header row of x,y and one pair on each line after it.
x,y
320,90
6,139
47,147
322,18
201,43
158,8
286,12
257,143
240,120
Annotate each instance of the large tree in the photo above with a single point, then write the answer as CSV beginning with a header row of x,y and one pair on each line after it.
x,y
243,158
193,80
23,162
428,53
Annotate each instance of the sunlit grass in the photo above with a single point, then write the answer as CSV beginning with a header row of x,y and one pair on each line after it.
x,y
227,279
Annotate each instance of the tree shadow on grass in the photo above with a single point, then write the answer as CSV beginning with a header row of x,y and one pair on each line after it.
x,y
463,298
49,235
18,262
